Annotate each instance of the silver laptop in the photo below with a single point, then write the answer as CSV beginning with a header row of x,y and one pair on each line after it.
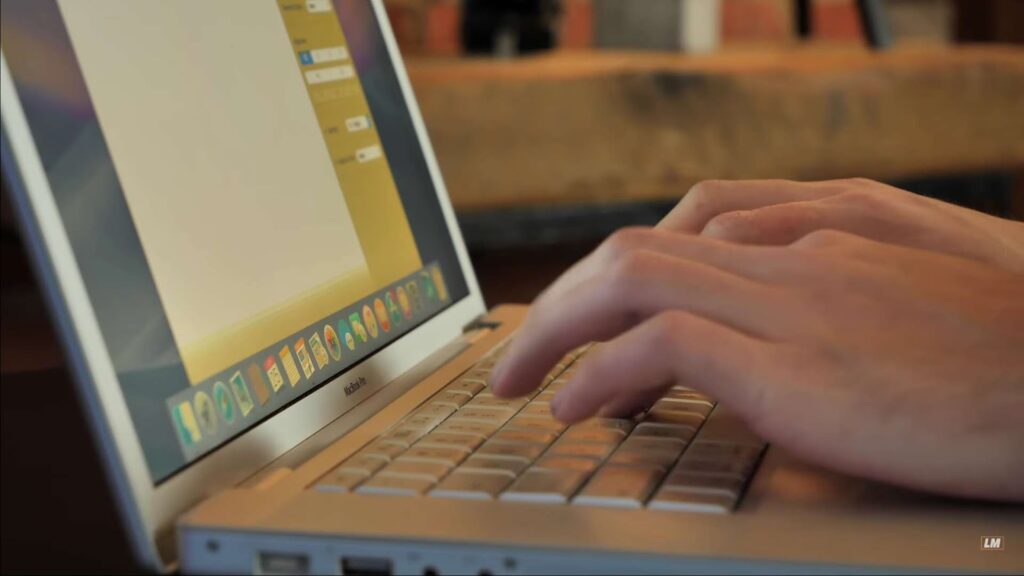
x,y
283,350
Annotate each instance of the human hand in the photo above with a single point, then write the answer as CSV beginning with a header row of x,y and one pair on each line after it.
x,y
778,212
882,361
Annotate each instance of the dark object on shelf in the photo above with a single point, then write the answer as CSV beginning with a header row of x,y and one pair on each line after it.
x,y
872,18
508,27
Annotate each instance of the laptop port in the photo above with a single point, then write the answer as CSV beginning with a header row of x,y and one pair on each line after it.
x,y
366,565
283,563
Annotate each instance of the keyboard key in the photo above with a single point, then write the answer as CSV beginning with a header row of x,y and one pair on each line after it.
x,y
434,409
406,435
702,450
581,464
735,468
648,430
659,416
384,449
471,485
490,400
487,364
654,444
457,425
622,424
594,434
452,398
367,463
686,404
686,501
468,386
396,485
424,421
723,426
419,468
520,435
341,481
705,483
547,424
465,442
585,449
485,464
497,416
687,394
544,485
556,384
661,459
621,486
536,408
527,452
435,453
478,374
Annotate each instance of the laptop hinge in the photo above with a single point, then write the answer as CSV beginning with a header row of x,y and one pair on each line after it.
x,y
480,323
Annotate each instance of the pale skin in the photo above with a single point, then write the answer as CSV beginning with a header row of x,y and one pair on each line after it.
x,y
860,327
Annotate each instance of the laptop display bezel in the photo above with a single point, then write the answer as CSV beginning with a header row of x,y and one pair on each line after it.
x,y
150,510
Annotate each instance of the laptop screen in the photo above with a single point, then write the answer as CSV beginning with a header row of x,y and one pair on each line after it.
x,y
245,195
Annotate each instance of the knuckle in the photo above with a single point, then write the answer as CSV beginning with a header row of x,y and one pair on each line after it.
x,y
628,267
623,241
703,194
864,196
862,183
620,277
822,239
728,224
667,330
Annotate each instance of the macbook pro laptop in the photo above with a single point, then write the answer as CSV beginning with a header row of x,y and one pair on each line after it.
x,y
277,335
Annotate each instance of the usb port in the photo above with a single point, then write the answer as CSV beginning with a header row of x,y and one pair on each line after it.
x,y
366,566
282,563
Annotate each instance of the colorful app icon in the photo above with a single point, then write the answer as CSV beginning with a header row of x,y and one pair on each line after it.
x,y
205,413
289,365
319,352
241,392
429,293
273,374
389,301
304,360
259,383
414,294
357,326
370,321
185,422
225,405
403,303
439,285
333,344
382,315
346,334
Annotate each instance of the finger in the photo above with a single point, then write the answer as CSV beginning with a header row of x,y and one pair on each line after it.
x,y
628,405
748,262
713,197
785,223
671,347
634,288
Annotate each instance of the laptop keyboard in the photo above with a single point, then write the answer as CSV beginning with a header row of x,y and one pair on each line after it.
x,y
464,442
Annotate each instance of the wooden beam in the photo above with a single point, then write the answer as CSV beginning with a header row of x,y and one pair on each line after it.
x,y
596,127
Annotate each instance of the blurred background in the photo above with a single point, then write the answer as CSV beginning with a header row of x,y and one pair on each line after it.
x,y
557,121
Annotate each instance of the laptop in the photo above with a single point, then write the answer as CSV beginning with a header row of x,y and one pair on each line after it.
x,y
283,352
